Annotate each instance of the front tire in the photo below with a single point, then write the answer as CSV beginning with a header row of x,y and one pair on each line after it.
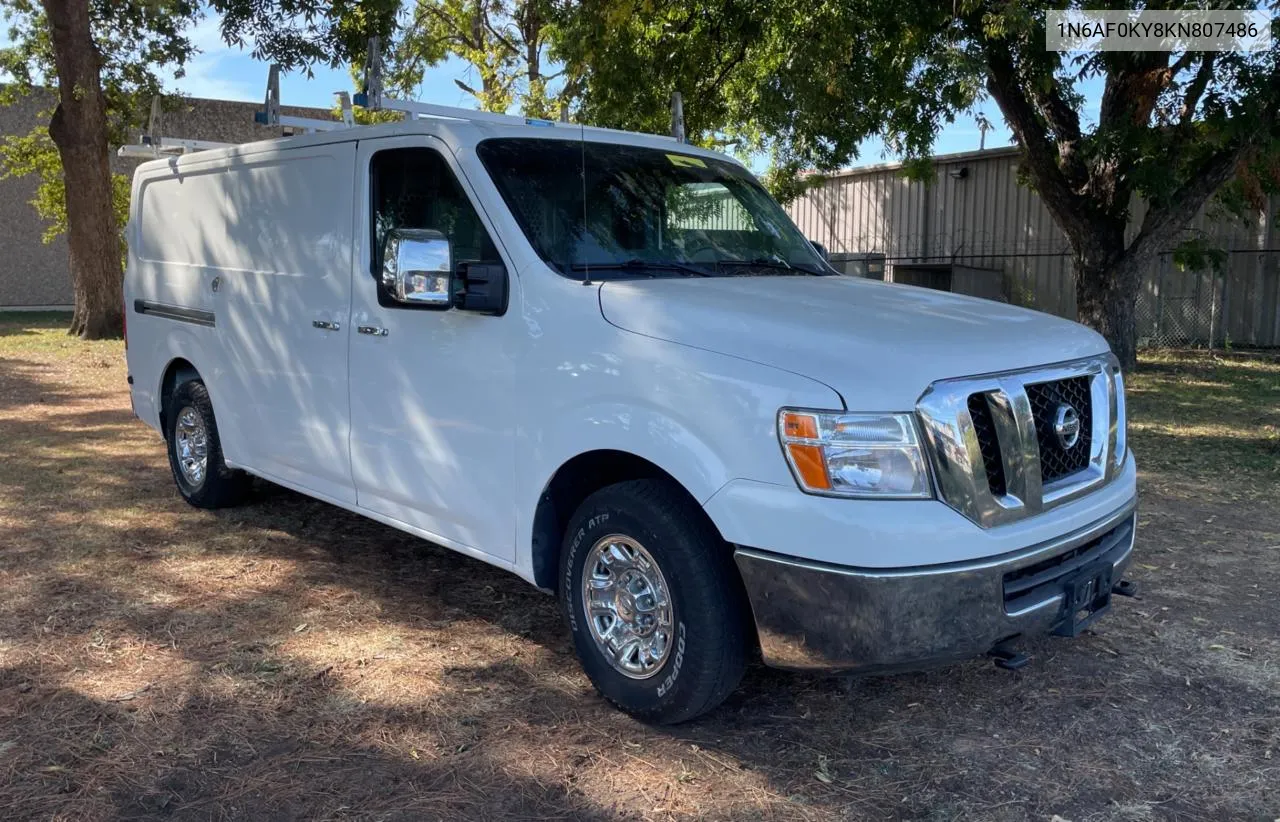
x,y
195,451
653,602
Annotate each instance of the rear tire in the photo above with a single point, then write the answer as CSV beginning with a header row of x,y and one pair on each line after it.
x,y
653,566
195,452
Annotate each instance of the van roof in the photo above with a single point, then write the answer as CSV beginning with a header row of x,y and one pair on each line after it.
x,y
457,132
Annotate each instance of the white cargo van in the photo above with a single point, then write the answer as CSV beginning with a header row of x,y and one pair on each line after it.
x,y
609,363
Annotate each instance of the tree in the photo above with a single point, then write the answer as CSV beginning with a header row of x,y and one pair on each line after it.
x,y
806,83
35,154
298,34
102,55
504,40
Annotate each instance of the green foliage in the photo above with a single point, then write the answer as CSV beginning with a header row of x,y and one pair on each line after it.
x,y
36,154
802,82
787,182
503,40
134,38
368,117
1198,253
806,82
920,170
303,33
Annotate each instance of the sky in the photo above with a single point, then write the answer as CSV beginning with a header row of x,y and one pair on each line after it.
x,y
225,72
228,73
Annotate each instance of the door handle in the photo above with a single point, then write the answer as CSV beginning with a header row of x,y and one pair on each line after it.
x,y
325,325
372,330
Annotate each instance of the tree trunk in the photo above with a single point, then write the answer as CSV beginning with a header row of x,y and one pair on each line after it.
x,y
79,130
1106,302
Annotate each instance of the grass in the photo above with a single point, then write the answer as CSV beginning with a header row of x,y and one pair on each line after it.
x,y
289,660
1202,416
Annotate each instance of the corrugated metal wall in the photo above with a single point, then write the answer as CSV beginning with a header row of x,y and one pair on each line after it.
x,y
982,217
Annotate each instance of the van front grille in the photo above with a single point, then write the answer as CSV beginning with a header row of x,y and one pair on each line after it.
x,y
1046,398
1006,446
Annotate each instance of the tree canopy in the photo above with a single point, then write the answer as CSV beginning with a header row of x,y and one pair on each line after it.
x,y
504,41
802,83
299,34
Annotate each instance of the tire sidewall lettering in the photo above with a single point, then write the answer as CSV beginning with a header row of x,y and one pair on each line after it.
x,y
570,566
669,680
693,560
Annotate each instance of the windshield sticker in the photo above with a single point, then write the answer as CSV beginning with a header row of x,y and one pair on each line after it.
x,y
685,161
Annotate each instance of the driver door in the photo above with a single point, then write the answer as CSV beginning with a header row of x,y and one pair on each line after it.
x,y
433,407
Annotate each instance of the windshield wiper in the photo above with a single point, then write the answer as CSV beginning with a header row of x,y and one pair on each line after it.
x,y
775,264
641,266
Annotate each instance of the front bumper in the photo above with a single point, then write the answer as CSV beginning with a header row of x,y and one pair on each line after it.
x,y
820,617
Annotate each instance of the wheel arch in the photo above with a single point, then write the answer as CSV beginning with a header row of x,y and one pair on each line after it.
x,y
574,481
178,371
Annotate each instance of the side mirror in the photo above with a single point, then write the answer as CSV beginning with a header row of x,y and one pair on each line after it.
x,y
821,249
417,267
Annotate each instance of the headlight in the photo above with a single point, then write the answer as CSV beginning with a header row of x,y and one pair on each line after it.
x,y
854,455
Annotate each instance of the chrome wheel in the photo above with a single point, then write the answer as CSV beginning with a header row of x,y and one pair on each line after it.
x,y
628,606
191,442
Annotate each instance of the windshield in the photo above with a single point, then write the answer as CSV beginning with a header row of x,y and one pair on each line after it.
x,y
648,212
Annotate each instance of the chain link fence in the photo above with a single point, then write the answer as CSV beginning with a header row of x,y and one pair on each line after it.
x,y
1237,303
1180,309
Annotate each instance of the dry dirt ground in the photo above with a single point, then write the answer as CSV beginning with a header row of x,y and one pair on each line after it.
x,y
288,660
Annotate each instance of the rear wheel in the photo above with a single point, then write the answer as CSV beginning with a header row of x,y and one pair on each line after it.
x,y
195,452
653,602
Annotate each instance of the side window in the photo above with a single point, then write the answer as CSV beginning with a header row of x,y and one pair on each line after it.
x,y
414,188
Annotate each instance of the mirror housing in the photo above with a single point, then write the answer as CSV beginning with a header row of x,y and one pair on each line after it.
x,y
417,268
484,288
821,249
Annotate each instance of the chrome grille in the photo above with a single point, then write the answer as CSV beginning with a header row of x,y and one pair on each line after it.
x,y
993,445
985,429
1046,397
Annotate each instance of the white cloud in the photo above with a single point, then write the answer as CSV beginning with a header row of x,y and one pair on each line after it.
x,y
208,73
202,79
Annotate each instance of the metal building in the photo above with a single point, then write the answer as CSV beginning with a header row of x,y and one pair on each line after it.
x,y
975,230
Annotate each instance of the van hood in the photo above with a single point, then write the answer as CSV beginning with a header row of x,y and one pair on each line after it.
x,y
878,344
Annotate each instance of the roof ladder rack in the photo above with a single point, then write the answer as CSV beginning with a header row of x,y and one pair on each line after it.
x,y
152,145
271,116
371,98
